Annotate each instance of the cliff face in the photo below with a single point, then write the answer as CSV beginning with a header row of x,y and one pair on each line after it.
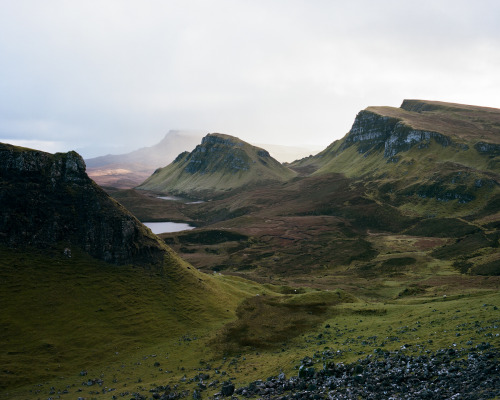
x,y
216,154
46,199
374,131
422,152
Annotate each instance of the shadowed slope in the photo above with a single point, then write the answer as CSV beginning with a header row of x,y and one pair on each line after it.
x,y
48,199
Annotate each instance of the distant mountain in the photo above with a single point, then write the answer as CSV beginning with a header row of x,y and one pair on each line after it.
x,y
221,163
128,170
48,200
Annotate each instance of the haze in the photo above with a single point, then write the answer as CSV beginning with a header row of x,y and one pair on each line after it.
x,y
112,76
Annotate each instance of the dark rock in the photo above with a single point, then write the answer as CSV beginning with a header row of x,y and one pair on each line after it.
x,y
49,199
372,131
473,374
490,149
227,389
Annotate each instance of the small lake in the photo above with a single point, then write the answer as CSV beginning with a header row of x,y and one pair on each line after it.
x,y
167,227
171,198
185,201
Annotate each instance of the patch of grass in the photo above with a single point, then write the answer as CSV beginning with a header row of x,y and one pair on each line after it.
x,y
264,322
413,290
463,247
491,268
60,315
442,227
398,262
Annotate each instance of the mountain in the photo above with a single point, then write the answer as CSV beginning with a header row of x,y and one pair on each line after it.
x,y
355,279
48,200
221,163
129,170
425,157
416,187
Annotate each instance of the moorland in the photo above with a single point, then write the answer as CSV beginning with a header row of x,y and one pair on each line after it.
x,y
369,269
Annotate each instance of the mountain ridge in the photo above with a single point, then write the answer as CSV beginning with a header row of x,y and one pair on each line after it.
x,y
419,156
219,164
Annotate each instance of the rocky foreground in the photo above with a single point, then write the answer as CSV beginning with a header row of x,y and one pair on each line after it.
x,y
408,373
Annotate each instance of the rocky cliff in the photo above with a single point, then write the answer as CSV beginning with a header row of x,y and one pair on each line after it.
x,y
373,131
420,155
219,164
417,124
48,200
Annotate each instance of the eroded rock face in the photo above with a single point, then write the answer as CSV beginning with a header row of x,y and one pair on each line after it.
x,y
488,149
374,131
47,199
218,154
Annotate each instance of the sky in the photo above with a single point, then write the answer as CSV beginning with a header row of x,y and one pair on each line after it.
x,y
111,76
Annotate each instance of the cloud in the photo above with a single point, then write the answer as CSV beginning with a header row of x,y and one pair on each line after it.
x,y
116,75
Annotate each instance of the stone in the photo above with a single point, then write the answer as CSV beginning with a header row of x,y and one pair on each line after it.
x,y
227,389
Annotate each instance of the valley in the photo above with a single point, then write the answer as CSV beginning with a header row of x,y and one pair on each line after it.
x,y
370,269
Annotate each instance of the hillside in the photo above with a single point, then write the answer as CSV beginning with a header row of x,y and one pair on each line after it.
x,y
425,157
48,200
128,170
349,291
221,163
408,189
83,282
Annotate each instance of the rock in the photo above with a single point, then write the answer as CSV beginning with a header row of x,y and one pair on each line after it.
x,y
372,131
473,374
49,199
227,389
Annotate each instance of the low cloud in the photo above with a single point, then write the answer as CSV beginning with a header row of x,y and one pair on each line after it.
x,y
95,75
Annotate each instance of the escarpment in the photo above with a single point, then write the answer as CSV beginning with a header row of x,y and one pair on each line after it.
x,y
48,199
373,131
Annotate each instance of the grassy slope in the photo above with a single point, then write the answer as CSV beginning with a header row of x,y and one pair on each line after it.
x,y
136,331
217,177
62,315
459,121
422,175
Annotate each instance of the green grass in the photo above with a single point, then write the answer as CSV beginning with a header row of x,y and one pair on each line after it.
x,y
62,315
266,322
136,329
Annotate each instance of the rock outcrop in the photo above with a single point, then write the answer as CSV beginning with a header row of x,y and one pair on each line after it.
x,y
48,199
375,131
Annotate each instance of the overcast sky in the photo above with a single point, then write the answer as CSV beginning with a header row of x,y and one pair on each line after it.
x,y
110,76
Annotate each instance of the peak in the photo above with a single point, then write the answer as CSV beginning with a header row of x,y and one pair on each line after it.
x,y
219,164
220,138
